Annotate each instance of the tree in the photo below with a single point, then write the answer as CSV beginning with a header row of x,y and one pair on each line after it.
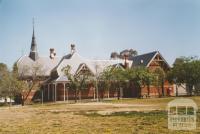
x,y
3,70
96,80
133,53
8,83
140,77
175,75
159,80
106,78
73,81
118,77
114,55
111,76
170,76
128,52
77,81
26,79
179,61
3,74
186,71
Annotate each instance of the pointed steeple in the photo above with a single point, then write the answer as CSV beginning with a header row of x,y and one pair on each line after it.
x,y
33,52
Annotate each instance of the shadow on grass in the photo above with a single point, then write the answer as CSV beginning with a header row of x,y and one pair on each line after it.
x,y
156,113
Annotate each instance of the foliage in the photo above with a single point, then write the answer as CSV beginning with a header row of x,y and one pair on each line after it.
x,y
118,77
106,79
159,75
140,77
77,81
25,84
186,71
3,74
129,52
9,84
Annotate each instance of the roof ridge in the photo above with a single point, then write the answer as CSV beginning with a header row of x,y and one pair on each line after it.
x,y
104,59
146,53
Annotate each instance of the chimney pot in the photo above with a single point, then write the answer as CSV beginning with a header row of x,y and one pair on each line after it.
x,y
52,53
73,48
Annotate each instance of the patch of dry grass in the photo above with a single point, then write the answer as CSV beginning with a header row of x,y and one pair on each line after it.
x,y
84,118
157,103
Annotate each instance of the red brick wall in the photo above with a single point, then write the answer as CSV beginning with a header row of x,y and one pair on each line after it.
x,y
85,93
88,93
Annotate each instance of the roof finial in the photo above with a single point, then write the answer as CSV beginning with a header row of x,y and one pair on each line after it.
x,y
33,26
33,53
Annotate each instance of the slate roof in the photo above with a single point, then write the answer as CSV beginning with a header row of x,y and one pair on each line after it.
x,y
96,66
26,65
53,67
61,78
143,60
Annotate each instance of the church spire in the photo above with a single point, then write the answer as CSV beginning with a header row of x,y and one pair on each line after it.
x,y
33,52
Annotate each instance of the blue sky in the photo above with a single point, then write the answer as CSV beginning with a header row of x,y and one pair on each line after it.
x,y
98,27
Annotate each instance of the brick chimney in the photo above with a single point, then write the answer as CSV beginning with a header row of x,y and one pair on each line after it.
x,y
52,53
73,50
126,64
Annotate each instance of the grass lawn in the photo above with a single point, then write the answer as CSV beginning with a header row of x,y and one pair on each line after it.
x,y
137,116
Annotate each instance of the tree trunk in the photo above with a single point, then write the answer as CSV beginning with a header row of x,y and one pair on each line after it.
x,y
10,101
103,91
176,91
117,89
108,93
139,91
94,93
22,101
121,93
148,90
118,93
5,101
79,95
97,91
29,91
158,90
75,95
190,90
163,89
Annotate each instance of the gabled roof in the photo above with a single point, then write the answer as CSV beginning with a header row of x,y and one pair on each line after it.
x,y
144,59
46,64
118,65
85,67
95,66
